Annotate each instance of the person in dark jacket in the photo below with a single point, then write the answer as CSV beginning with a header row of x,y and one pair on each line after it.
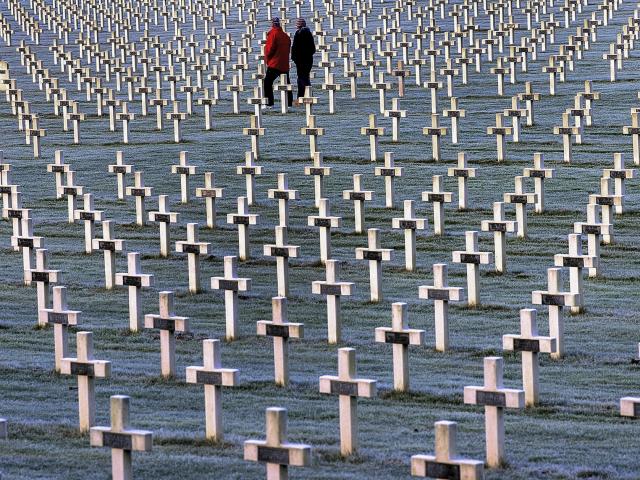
x,y
302,54
276,51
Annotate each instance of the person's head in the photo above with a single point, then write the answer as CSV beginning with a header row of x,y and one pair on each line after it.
x,y
301,23
275,22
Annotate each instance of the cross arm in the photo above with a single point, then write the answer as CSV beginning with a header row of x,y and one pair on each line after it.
x,y
137,440
294,454
226,377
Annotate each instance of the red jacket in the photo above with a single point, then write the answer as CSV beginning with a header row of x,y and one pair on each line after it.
x,y
277,49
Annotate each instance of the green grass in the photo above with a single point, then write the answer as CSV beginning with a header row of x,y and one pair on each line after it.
x,y
575,432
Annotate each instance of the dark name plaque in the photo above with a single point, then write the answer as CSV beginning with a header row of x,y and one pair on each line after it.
x,y
330,289
85,369
492,399
460,173
281,195
537,173
208,193
279,456
224,284
369,255
518,198
497,227
163,217
323,222
436,197
316,171
107,245
209,378
407,224
248,170
86,216
396,337
470,258
344,388
608,201
164,323
121,169
121,441
591,229
39,276
526,345
442,470
551,299
388,172
25,242
131,281
58,168
280,252
57,317
573,262
277,330
439,294
138,192
358,196
240,220
183,170
191,248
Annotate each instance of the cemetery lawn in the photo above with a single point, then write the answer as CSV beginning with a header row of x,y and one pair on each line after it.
x,y
576,432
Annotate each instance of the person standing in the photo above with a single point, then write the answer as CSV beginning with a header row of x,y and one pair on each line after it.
x,y
276,51
302,52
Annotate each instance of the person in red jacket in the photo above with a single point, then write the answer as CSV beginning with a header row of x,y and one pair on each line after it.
x,y
276,52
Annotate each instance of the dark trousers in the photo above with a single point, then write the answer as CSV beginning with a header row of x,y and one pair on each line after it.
x,y
270,77
304,78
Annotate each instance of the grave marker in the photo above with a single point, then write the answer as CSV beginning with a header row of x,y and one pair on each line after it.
x,y
140,193
409,224
194,250
231,285
495,399
282,251
375,255
401,337
135,280
243,219
213,377
348,388
446,463
358,196
462,172
275,451
168,323
61,317
283,194
185,171
121,170
521,199
529,343
438,198
86,368
555,299
441,294
575,261
473,258
89,216
281,330
121,439
209,193
164,218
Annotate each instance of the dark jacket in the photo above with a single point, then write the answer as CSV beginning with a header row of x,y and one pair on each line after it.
x,y
303,47
277,48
